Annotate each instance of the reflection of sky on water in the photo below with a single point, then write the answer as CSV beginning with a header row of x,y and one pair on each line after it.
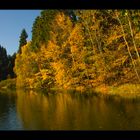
x,y
8,115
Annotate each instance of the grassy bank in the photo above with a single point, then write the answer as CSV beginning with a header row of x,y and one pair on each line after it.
x,y
127,91
8,84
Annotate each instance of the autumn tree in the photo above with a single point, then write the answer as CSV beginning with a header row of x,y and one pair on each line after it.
x,y
97,48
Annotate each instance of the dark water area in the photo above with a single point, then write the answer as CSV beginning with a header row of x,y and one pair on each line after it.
x,y
35,110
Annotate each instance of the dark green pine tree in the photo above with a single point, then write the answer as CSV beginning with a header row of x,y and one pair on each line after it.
x,y
10,66
3,63
22,40
71,14
42,27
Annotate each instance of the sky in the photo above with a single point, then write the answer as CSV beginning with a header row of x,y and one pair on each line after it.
x,y
11,24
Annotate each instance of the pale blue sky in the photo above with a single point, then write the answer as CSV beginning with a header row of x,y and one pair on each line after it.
x,y
11,24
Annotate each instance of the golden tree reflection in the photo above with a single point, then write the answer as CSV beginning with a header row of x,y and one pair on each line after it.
x,y
68,111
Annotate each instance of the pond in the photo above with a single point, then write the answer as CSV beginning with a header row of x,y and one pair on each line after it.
x,y
57,110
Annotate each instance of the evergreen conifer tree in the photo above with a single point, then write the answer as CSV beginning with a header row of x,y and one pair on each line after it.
x,y
22,40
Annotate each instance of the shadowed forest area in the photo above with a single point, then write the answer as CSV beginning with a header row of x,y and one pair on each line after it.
x,y
7,63
78,49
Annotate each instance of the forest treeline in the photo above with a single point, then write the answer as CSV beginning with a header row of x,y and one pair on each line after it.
x,y
6,64
81,48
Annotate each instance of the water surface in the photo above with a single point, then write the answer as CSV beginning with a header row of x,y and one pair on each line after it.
x,y
34,110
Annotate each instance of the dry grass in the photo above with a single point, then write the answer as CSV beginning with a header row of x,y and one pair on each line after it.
x,y
127,91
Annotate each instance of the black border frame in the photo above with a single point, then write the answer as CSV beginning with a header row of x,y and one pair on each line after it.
x,y
70,4
71,135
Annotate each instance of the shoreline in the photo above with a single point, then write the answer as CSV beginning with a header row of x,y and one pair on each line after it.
x,y
125,91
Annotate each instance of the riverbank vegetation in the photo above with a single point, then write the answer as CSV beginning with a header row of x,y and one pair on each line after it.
x,y
8,84
82,49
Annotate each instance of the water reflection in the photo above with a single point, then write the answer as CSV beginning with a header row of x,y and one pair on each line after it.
x,y
8,114
74,111
35,110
